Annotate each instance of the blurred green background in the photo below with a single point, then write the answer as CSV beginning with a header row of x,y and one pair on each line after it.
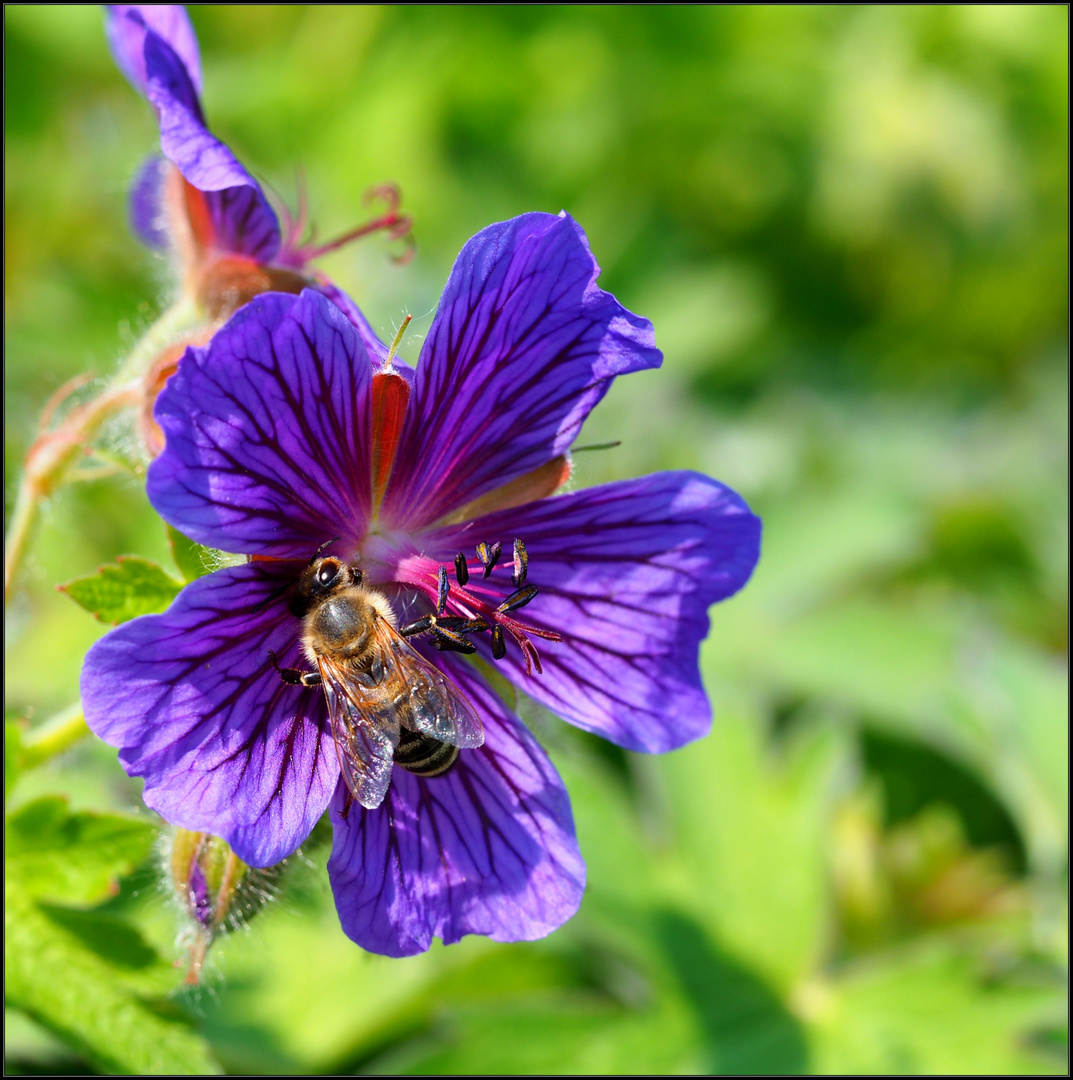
x,y
849,227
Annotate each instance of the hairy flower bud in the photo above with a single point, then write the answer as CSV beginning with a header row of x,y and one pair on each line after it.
x,y
216,889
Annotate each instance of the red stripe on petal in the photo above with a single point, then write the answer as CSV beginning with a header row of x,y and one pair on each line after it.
x,y
391,394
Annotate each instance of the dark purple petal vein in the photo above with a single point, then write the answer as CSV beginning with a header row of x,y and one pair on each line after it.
x,y
126,24
267,432
626,574
523,346
487,849
194,706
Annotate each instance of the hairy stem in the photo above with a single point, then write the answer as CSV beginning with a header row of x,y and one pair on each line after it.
x,y
54,451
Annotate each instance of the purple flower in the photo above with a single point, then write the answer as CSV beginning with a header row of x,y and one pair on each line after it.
x,y
280,437
199,198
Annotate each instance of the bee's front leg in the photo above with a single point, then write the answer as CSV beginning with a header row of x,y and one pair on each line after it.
x,y
294,677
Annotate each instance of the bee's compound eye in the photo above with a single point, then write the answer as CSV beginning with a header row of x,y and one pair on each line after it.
x,y
327,572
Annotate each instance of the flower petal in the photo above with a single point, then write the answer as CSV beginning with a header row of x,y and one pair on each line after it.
x,y
126,24
242,219
523,345
626,573
267,432
193,704
488,848
147,216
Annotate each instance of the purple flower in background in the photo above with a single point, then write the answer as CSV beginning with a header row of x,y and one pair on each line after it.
x,y
281,441
199,198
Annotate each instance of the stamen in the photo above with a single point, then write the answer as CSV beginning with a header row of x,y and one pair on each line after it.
x,y
461,569
489,555
388,366
418,626
462,624
521,564
518,599
471,606
451,641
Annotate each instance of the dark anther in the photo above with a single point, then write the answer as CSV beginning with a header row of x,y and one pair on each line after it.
x,y
450,641
461,569
489,555
461,625
499,642
518,599
443,587
521,564
418,626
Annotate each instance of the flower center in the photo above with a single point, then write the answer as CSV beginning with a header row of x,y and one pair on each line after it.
x,y
476,601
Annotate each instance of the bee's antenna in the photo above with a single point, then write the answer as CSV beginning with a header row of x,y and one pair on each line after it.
x,y
327,543
270,597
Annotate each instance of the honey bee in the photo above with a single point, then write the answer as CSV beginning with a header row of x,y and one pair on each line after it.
x,y
386,702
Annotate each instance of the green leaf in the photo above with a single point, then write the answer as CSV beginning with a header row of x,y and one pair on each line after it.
x,y
192,559
57,855
933,1010
131,587
74,992
751,864
12,754
79,972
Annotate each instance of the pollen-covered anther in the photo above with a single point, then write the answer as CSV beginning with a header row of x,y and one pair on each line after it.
x,y
518,599
461,569
521,564
477,607
489,555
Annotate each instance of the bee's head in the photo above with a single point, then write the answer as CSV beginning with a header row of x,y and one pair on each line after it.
x,y
323,577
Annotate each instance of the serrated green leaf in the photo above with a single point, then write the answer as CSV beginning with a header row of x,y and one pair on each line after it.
x,y
130,587
74,992
75,858
192,559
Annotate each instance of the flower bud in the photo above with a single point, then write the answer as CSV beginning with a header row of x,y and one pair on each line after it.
x,y
215,888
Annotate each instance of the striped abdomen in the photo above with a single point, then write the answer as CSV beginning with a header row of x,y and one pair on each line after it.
x,y
423,755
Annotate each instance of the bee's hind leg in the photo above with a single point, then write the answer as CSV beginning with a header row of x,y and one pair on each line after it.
x,y
294,677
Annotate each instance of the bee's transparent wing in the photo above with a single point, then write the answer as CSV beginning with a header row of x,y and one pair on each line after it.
x,y
366,732
426,700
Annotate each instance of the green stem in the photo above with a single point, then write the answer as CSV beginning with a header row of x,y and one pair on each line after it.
x,y
54,736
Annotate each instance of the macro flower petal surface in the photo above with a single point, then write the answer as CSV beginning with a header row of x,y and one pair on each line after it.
x,y
487,849
267,432
189,698
523,345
